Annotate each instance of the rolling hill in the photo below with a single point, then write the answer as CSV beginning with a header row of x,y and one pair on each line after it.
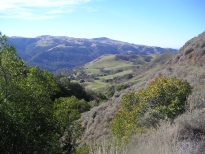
x,y
54,53
110,70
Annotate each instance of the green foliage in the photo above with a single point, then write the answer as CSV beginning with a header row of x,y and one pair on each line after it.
x,y
83,150
120,87
31,121
97,97
67,111
166,95
68,89
164,98
110,90
26,108
70,108
28,114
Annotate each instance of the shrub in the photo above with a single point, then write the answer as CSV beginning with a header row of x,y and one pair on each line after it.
x,y
82,150
121,87
196,99
164,98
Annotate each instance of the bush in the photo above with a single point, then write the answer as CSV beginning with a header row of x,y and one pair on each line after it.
x,y
110,90
164,98
121,87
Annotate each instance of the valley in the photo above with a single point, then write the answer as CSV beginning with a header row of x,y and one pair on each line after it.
x,y
102,94
102,77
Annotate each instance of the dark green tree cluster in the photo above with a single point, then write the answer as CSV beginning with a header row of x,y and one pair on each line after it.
x,y
68,89
32,118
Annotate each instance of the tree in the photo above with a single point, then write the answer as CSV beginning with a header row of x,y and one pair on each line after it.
x,y
29,121
67,111
27,124
68,89
11,72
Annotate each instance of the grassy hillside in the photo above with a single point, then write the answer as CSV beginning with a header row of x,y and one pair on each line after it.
x,y
107,63
107,67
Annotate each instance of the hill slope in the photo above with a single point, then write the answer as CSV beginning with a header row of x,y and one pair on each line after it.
x,y
192,52
97,120
57,52
187,64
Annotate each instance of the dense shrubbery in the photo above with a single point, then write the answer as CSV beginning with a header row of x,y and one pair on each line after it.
x,y
164,98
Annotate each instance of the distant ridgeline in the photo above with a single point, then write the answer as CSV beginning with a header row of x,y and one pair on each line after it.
x,y
58,52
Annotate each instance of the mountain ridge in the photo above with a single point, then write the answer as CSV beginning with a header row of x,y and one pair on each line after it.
x,y
192,51
57,52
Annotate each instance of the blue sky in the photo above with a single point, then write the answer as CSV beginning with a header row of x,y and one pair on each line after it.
x,y
164,23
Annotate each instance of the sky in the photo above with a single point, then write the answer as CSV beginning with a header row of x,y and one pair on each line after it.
x,y
163,23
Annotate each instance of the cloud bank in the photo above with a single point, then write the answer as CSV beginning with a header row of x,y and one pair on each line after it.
x,y
37,9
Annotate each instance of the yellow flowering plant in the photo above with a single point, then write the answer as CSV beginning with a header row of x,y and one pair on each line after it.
x,y
164,98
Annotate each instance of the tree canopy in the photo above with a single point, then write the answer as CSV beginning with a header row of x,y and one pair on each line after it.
x,y
32,120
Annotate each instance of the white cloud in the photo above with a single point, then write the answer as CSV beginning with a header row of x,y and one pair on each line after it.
x,y
37,9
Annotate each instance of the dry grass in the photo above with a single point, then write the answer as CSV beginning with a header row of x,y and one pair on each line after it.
x,y
166,140
197,99
184,135
107,148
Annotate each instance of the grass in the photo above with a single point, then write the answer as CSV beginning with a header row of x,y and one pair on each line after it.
x,y
109,62
144,73
91,71
97,84
100,84
116,74
167,139
109,67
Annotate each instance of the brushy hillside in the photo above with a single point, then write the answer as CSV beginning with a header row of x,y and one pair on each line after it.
x,y
193,52
57,52
97,121
183,135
